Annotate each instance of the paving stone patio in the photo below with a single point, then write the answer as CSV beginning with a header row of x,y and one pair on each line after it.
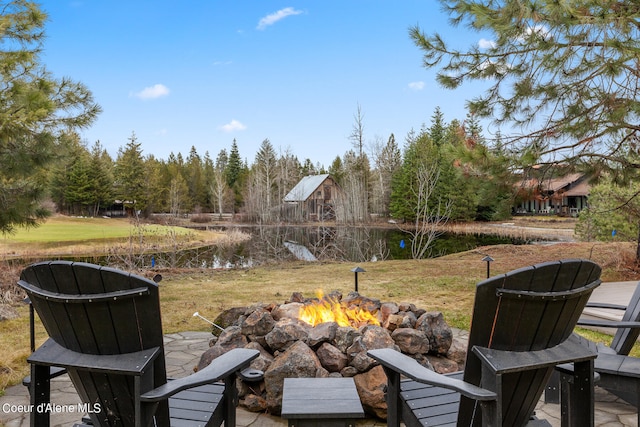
x,y
183,351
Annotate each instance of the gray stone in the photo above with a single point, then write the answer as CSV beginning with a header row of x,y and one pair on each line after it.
x,y
409,320
437,330
407,306
362,362
263,361
254,403
285,333
349,371
371,305
371,387
345,337
442,365
393,322
298,361
387,309
229,317
374,337
458,352
332,359
411,341
324,332
287,311
229,339
258,323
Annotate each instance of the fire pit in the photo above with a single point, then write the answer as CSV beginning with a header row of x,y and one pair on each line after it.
x,y
331,309
329,336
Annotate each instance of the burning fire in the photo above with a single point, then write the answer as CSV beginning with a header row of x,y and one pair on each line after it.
x,y
329,309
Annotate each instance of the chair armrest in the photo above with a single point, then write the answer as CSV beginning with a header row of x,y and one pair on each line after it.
x,y
405,365
609,323
53,354
221,367
502,362
606,305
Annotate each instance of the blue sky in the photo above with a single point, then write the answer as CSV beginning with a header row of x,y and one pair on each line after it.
x,y
202,73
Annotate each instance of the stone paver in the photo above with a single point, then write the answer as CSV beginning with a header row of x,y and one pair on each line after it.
x,y
183,352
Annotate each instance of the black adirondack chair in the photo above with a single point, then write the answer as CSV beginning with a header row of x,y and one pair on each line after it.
x,y
521,329
104,327
618,372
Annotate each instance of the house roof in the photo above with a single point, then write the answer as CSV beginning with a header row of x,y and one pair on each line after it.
x,y
556,184
569,183
305,188
581,189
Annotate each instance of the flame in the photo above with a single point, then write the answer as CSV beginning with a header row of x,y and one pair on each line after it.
x,y
329,309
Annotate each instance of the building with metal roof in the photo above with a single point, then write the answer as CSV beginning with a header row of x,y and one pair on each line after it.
x,y
314,198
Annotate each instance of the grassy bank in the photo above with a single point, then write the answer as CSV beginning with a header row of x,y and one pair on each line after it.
x,y
443,284
69,236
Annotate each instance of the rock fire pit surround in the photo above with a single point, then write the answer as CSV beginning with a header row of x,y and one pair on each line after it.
x,y
292,348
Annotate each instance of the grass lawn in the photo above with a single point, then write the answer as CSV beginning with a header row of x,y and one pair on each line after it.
x,y
61,236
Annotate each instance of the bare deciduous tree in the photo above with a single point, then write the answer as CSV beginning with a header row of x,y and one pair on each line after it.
x,y
431,212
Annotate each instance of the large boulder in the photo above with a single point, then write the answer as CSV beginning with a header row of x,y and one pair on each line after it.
x,y
437,330
331,358
324,332
229,339
258,324
411,341
371,387
285,333
298,361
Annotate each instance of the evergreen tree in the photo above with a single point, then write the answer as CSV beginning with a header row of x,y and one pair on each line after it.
x,y
130,176
35,109
79,194
158,185
233,168
437,129
337,169
419,152
564,72
101,178
234,175
195,180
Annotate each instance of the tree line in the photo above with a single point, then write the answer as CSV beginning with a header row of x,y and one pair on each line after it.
x,y
378,179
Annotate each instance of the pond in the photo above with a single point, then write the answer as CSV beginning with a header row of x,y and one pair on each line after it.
x,y
320,243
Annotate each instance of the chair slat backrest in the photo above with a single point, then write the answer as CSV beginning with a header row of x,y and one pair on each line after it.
x,y
83,309
625,338
538,309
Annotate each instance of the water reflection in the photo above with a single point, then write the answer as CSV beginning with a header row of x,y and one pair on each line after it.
x,y
282,243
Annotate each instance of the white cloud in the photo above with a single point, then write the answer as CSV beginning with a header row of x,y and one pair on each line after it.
x,y
233,125
416,85
152,92
272,18
486,44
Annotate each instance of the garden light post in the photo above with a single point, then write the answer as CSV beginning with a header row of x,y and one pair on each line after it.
x,y
356,271
488,260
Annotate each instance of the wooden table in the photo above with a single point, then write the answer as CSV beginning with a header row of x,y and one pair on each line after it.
x,y
321,402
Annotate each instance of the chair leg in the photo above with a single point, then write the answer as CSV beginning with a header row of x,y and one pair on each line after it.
x,y
552,391
577,403
394,408
230,400
40,389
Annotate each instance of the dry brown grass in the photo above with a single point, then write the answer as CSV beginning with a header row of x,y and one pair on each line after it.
x,y
445,284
